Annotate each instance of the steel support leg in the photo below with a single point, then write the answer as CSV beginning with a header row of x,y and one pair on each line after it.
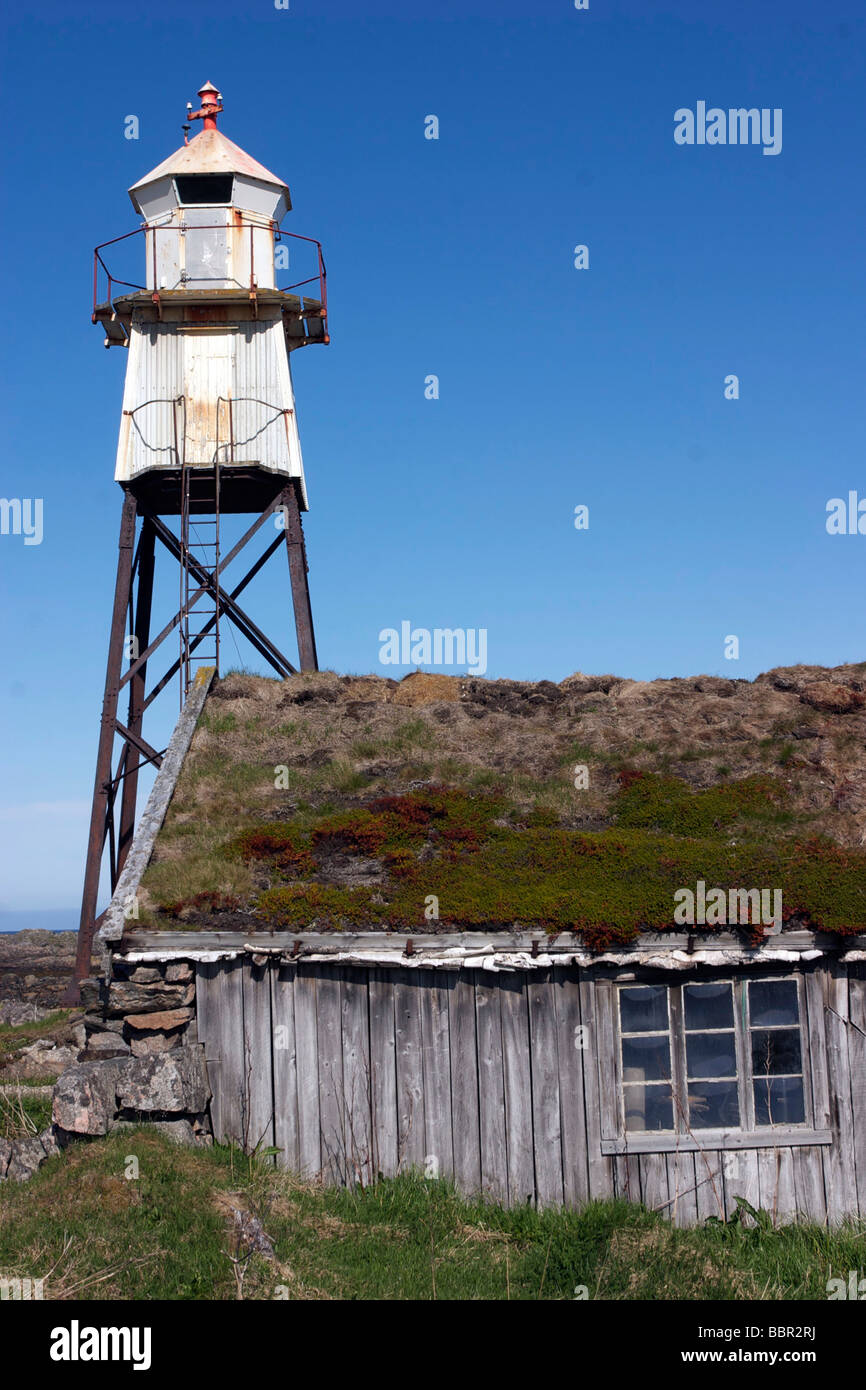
x,y
102,781
143,602
297,553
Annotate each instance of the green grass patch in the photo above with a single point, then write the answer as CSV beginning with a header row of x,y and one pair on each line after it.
x,y
93,1231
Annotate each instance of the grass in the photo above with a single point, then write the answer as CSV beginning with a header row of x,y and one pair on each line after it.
x,y
93,1232
15,1036
23,1115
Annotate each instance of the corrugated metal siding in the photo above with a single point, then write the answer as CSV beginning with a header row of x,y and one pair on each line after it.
x,y
154,373
250,363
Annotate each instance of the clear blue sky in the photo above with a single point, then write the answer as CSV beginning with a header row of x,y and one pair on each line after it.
x,y
455,257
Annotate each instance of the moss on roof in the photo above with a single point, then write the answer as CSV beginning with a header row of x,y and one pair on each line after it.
x,y
334,802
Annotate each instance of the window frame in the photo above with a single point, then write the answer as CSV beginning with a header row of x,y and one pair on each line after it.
x,y
813,1129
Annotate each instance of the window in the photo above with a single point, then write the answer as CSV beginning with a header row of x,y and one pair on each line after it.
x,y
204,188
705,1061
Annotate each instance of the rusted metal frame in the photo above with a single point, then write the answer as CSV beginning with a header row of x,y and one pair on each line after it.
x,y
216,563
137,742
297,553
102,779
145,558
169,627
242,622
199,637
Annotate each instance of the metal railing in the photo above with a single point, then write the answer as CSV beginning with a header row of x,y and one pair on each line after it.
x,y
111,281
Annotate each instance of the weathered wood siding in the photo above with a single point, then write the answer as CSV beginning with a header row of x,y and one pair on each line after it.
x,y
497,1079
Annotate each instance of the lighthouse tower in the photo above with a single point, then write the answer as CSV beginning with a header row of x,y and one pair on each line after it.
x,y
208,428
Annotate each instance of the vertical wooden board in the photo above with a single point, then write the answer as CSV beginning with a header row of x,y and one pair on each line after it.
x,y
258,1062
857,1065
621,1177
356,1074
817,1030
465,1115
682,1187
433,986
331,1095
514,1017
839,1174
654,1183
709,1185
544,1061
411,1139
776,1182
307,1061
808,1166
491,1087
285,1067
741,1178
383,1073
207,991
233,1079
571,1060
599,1165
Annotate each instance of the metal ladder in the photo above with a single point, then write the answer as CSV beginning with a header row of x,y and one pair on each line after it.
x,y
198,554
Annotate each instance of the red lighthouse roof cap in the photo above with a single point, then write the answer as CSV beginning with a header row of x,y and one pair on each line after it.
x,y
210,152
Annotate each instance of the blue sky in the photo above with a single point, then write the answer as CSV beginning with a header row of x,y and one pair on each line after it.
x,y
454,257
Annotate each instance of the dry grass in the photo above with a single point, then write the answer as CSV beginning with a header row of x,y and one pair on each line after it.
x,y
269,750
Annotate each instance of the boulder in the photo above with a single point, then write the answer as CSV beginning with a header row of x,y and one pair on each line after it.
x,y
5,1155
84,1097
27,1156
166,1081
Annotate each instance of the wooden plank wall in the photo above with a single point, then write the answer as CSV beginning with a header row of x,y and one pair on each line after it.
x,y
492,1079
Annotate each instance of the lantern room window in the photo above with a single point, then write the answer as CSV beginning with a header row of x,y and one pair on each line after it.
x,y
195,189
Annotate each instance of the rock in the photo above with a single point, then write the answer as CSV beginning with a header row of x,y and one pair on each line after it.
x,y
178,972
16,1011
5,1155
178,1131
169,1081
27,1157
145,975
90,993
95,1023
832,698
50,1139
127,997
164,1019
101,1045
43,1058
84,1097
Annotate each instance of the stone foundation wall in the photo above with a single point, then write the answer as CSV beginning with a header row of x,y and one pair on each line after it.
x,y
141,1062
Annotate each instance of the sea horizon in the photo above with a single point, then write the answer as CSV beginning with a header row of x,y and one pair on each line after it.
x,y
39,919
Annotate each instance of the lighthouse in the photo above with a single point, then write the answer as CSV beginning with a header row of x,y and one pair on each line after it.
x,y
208,428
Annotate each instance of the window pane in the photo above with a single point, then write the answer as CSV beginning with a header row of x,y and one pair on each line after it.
x,y
773,1002
779,1101
648,1108
644,1009
713,1105
775,1051
711,1054
709,1006
646,1059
